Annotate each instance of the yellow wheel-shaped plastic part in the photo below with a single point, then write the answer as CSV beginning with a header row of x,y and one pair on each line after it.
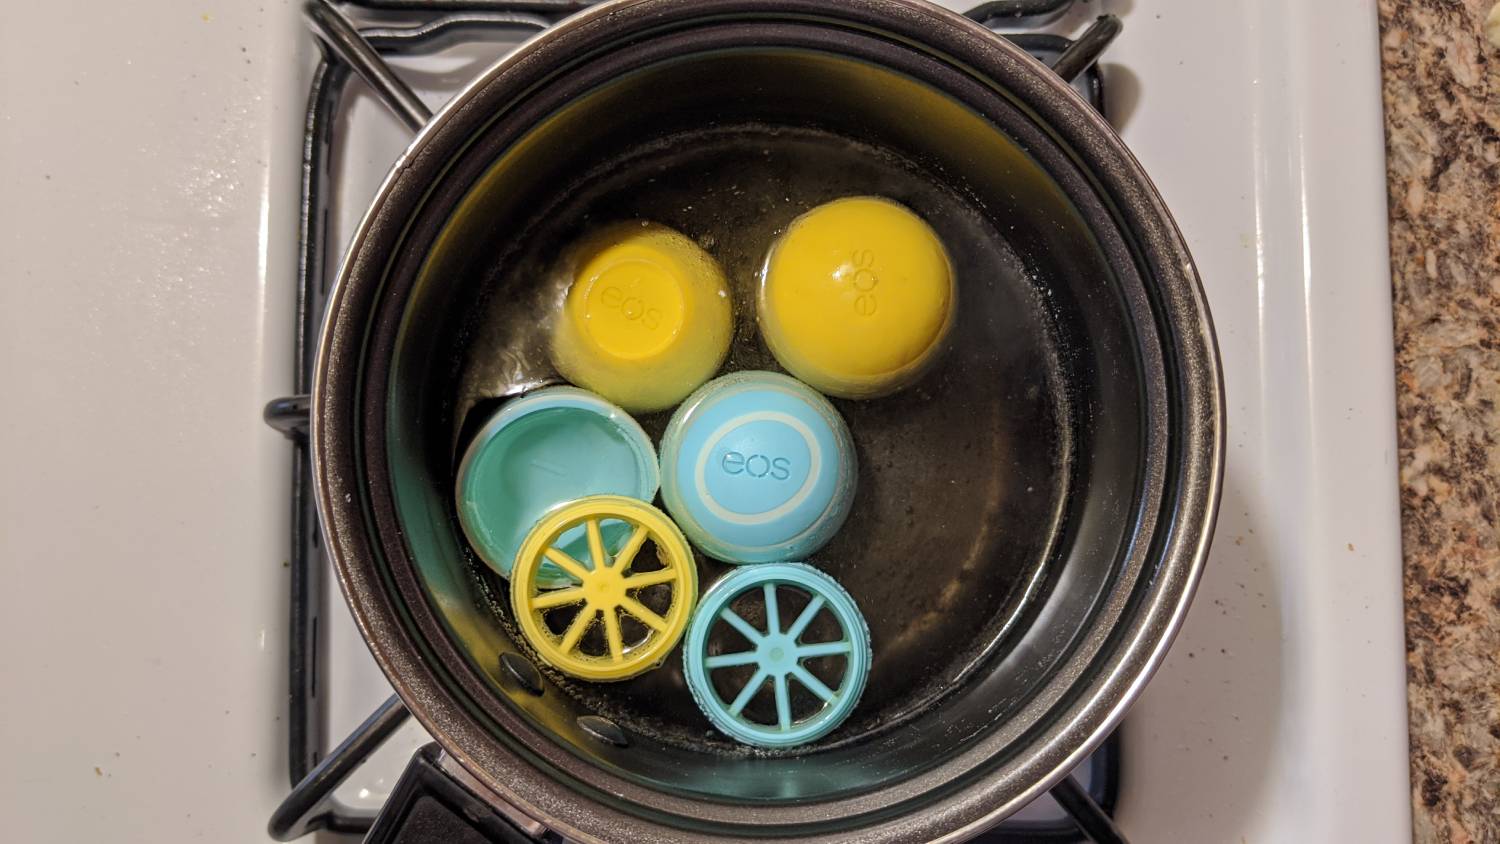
x,y
619,619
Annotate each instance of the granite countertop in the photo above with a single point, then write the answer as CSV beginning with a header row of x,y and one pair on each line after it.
x,y
1442,99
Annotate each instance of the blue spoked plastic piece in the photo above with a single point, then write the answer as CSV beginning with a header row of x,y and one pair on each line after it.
x,y
757,467
539,452
777,654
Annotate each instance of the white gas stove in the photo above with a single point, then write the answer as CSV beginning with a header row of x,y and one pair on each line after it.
x,y
149,197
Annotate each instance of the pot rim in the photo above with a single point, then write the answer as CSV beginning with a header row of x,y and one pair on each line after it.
x,y
1183,539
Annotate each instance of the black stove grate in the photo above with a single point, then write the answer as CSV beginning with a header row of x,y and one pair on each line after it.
x,y
314,771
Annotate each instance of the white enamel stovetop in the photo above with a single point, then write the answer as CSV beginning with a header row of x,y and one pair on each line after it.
x,y
149,165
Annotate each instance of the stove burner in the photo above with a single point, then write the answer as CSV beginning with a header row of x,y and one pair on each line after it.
x,y
314,775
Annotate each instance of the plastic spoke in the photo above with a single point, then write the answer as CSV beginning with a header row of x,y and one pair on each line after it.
x,y
824,649
734,620
783,703
647,617
650,578
612,633
596,546
561,559
731,660
560,598
808,614
748,692
576,630
773,610
632,547
813,684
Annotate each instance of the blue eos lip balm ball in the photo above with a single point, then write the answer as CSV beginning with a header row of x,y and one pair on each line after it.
x,y
757,467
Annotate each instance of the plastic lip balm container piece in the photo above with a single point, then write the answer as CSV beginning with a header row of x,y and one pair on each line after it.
x,y
757,467
609,586
857,297
541,451
647,317
777,654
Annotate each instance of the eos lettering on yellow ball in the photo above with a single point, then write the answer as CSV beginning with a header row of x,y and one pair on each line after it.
x,y
647,318
857,297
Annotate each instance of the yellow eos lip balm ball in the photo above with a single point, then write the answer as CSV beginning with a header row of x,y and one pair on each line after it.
x,y
647,318
857,296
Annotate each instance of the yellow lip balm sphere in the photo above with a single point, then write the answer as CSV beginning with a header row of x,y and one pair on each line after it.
x,y
647,318
857,296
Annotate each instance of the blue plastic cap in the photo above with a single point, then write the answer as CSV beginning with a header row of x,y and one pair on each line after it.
x,y
541,451
757,467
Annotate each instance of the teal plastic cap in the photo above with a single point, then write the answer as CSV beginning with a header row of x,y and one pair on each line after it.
x,y
776,685
757,467
542,451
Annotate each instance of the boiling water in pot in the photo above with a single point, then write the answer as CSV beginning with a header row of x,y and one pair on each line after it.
x,y
962,476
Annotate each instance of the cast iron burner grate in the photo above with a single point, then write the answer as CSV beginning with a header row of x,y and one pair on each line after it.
x,y
432,801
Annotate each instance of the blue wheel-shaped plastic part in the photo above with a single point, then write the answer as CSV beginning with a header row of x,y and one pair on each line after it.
x,y
776,655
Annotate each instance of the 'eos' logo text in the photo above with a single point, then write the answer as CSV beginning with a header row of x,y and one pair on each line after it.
x,y
756,466
865,281
633,308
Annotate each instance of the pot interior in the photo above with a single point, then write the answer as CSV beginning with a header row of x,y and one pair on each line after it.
x,y
997,496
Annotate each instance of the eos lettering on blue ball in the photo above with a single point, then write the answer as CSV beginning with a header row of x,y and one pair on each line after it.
x,y
757,467
775,468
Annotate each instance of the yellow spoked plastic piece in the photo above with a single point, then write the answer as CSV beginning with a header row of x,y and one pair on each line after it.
x,y
615,622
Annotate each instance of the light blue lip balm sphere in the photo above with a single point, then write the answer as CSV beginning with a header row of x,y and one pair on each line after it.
x,y
757,467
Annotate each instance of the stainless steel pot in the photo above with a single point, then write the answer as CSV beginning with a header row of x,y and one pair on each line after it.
x,y
1032,521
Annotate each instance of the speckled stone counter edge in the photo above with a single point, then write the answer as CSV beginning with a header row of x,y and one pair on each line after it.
x,y
1443,135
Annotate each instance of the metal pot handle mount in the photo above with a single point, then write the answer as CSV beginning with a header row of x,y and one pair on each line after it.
x,y
435,799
